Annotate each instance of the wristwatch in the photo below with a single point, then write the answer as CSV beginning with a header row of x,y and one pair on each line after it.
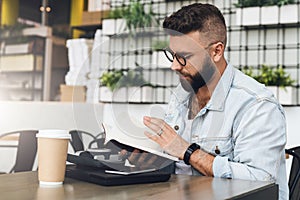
x,y
187,155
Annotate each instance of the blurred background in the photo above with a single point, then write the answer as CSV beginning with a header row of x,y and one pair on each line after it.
x,y
49,48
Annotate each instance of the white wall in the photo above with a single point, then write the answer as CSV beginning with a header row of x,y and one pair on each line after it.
x,y
293,133
44,115
16,116
293,126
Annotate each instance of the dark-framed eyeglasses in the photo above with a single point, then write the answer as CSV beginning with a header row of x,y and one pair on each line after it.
x,y
170,55
180,58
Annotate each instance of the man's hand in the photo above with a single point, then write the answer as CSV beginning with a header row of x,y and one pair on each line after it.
x,y
138,158
166,137
144,160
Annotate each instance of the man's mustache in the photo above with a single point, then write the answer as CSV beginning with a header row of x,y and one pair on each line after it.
x,y
183,74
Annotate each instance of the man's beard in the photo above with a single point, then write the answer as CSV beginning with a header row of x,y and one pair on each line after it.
x,y
201,78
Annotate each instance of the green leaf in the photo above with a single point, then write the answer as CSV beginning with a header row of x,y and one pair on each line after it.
x,y
256,3
270,76
136,17
115,79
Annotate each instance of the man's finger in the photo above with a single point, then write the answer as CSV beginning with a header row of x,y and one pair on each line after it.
x,y
134,156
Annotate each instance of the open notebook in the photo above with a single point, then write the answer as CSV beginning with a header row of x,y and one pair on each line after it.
x,y
126,132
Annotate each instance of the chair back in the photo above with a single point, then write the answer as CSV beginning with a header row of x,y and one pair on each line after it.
x,y
78,143
26,150
294,183
76,140
26,153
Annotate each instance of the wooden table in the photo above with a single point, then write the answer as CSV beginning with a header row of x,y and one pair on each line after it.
x,y
25,186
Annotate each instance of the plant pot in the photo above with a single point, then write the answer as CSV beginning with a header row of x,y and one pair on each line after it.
x,y
124,94
113,26
247,16
140,94
289,14
160,60
267,15
285,96
118,95
105,94
273,89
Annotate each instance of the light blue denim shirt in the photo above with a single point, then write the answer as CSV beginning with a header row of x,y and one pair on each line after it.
x,y
242,125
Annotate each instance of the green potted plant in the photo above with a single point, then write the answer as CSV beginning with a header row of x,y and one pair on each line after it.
x,y
111,78
108,83
158,55
277,80
125,86
266,12
128,18
256,3
114,23
137,17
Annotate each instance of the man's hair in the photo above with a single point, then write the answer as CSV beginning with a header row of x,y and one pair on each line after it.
x,y
205,18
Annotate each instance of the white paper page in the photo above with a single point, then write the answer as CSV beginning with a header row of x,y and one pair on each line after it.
x,y
127,133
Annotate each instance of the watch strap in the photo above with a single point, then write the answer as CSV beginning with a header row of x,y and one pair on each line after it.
x,y
187,155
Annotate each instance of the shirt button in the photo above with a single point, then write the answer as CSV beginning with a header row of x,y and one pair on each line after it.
x,y
176,127
217,150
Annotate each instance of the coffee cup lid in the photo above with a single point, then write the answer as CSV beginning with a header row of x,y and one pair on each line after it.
x,y
54,133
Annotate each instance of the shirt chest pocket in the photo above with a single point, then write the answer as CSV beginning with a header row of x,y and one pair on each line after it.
x,y
220,146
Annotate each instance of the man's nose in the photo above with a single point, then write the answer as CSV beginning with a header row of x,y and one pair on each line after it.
x,y
176,66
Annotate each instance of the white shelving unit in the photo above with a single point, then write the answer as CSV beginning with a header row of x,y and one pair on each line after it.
x,y
26,67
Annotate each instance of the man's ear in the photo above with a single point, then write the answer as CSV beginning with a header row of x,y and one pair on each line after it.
x,y
218,52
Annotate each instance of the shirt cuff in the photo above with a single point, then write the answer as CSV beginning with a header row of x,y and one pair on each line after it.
x,y
221,167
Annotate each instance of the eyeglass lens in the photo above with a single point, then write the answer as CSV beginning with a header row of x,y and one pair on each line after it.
x,y
170,55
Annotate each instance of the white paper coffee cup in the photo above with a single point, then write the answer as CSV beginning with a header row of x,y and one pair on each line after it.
x,y
52,156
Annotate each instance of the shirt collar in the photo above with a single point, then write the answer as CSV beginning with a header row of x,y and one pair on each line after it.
x,y
217,100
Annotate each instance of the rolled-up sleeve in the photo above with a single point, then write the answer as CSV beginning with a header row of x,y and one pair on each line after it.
x,y
221,167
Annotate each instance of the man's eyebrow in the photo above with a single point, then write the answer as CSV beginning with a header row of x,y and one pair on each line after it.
x,y
183,52
180,52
